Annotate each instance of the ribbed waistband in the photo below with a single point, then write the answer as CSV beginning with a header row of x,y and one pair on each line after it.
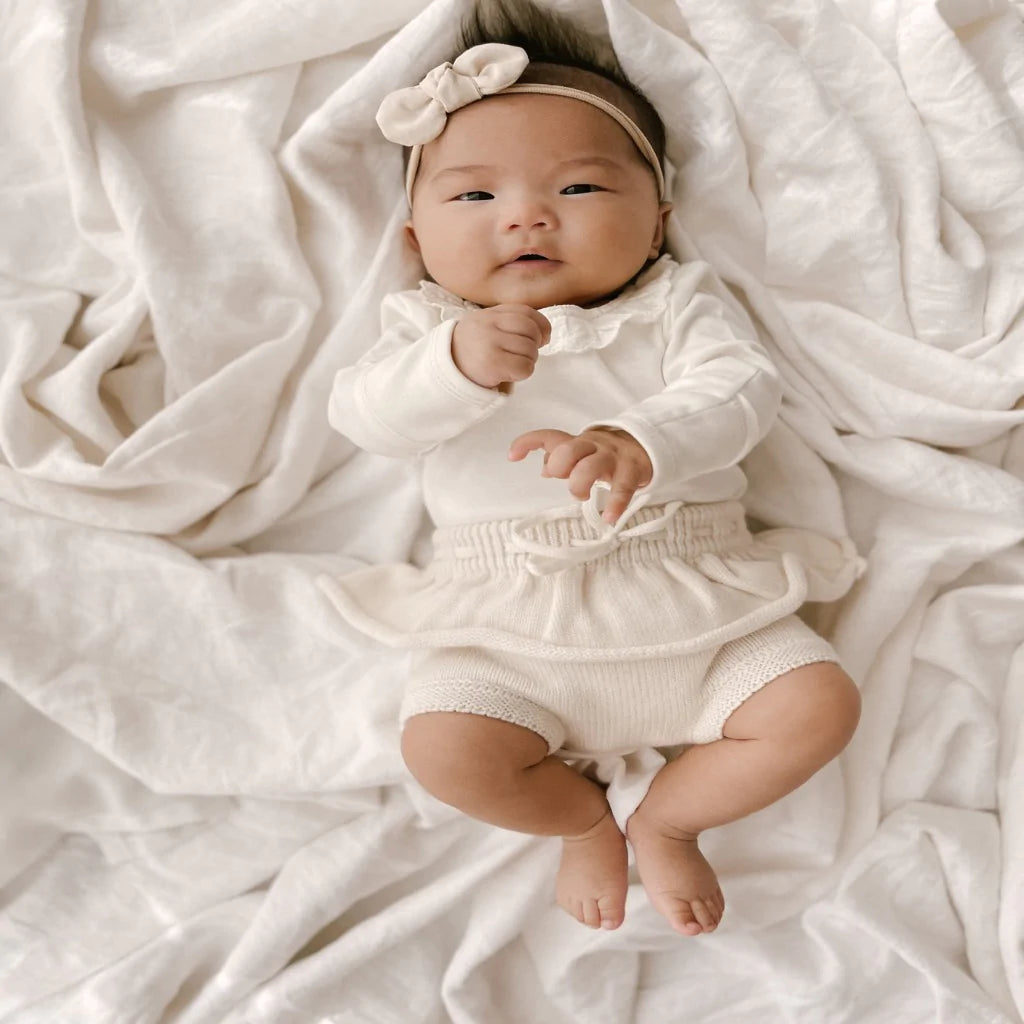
x,y
687,532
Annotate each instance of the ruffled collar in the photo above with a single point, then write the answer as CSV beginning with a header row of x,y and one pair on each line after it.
x,y
578,328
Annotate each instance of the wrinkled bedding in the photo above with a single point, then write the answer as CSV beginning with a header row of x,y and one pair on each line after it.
x,y
204,814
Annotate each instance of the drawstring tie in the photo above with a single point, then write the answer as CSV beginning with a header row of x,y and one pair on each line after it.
x,y
547,558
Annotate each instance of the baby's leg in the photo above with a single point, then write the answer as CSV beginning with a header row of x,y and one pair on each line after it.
x,y
502,774
772,743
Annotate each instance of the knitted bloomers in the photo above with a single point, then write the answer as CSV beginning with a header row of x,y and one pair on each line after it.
x,y
591,708
596,639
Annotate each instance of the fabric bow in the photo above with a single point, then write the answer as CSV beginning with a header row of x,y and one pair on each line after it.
x,y
418,114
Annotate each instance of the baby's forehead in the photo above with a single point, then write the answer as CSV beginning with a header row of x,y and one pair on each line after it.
x,y
530,125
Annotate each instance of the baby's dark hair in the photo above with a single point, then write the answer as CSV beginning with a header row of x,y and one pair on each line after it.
x,y
550,38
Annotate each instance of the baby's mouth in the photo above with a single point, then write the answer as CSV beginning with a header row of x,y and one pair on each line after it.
x,y
530,258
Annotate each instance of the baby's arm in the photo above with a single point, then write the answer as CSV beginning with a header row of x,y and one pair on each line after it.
x,y
721,396
408,394
722,391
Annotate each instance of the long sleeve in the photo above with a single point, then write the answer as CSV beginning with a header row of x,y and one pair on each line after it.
x,y
722,392
406,395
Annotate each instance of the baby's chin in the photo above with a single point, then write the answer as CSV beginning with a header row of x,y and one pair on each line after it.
x,y
538,295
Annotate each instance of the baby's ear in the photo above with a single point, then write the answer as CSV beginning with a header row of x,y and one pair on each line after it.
x,y
659,232
410,236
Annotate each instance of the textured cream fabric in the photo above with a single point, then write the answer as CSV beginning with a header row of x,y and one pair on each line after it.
x,y
667,360
696,582
588,707
670,359
205,816
418,113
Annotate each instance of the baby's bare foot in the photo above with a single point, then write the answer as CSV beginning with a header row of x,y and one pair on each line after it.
x,y
679,881
592,878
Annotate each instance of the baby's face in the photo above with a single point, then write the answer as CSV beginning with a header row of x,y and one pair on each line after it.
x,y
534,175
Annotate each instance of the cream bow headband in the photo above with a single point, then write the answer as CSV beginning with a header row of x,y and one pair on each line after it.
x,y
418,114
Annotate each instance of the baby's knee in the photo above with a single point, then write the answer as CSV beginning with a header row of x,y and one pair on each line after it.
x,y
843,699
811,712
830,710
461,758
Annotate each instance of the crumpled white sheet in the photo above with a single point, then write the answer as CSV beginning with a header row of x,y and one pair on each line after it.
x,y
204,814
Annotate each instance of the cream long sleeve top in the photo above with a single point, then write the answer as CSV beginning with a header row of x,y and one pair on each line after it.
x,y
666,360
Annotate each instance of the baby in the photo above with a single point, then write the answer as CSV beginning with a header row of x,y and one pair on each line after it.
x,y
546,630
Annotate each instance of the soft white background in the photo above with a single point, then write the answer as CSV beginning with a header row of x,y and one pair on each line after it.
x,y
203,813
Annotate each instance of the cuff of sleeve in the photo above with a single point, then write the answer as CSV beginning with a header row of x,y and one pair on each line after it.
x,y
419,399
663,462
448,376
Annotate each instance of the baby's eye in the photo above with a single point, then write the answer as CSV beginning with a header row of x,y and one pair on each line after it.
x,y
580,190
473,197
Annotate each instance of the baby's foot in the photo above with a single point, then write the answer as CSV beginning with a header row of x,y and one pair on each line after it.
x,y
592,878
679,881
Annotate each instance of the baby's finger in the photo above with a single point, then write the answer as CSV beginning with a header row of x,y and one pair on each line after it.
x,y
522,328
518,345
545,326
618,498
524,320
518,367
590,468
548,439
623,477
564,459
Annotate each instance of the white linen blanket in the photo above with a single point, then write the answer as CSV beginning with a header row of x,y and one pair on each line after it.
x,y
204,815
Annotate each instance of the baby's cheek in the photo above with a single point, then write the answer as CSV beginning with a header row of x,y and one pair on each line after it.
x,y
447,266
620,239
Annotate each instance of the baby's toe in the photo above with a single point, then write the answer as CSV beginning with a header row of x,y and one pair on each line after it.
x,y
591,914
718,900
573,907
613,912
681,917
601,912
706,914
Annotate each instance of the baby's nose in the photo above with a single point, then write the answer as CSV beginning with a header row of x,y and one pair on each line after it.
x,y
529,212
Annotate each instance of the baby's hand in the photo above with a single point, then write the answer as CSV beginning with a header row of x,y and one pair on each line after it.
x,y
599,454
499,345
